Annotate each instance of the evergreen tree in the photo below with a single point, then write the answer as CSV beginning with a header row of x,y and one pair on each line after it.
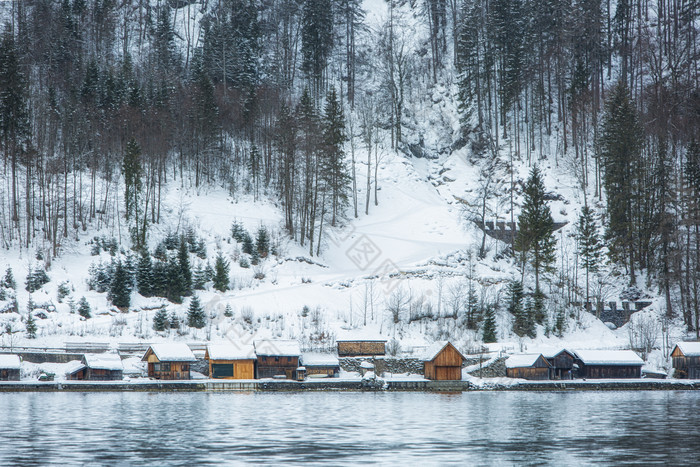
x,y
160,320
144,275
195,314
174,321
221,279
560,323
84,309
31,325
535,237
516,309
9,281
589,246
228,312
175,281
316,39
183,259
539,314
489,332
527,321
262,242
120,288
334,172
247,244
621,143
132,171
199,277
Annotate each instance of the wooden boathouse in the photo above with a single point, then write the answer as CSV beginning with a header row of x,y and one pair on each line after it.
x,y
320,365
443,362
231,361
9,367
98,367
686,360
277,358
613,364
169,361
561,363
528,366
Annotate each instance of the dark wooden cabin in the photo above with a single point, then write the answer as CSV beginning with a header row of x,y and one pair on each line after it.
x,y
98,367
561,362
231,361
277,358
169,361
528,366
611,364
9,367
320,365
443,362
686,360
359,344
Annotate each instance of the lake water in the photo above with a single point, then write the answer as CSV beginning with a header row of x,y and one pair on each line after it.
x,y
484,428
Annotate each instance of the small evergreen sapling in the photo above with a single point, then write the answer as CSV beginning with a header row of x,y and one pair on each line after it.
x,y
228,312
31,325
221,279
84,309
195,314
490,325
160,320
8,281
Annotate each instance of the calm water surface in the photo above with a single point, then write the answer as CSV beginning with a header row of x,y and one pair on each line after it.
x,y
484,428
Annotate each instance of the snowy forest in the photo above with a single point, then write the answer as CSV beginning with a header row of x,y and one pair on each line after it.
x,y
106,105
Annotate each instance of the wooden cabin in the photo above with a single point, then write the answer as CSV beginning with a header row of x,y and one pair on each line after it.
x,y
277,358
360,343
169,361
9,367
613,364
321,365
561,363
528,366
97,367
443,362
686,360
231,361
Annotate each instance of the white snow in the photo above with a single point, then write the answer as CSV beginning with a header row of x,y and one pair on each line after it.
x,y
173,352
609,357
689,349
232,351
9,362
522,360
319,359
286,348
431,352
104,361
359,335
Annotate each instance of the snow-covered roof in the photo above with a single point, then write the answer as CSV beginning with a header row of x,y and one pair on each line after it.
x,y
231,351
609,357
689,349
434,349
353,335
522,360
286,348
554,353
105,361
74,367
172,352
9,362
319,359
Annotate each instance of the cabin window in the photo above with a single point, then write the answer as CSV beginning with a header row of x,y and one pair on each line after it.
x,y
165,367
264,359
277,359
185,367
289,359
156,367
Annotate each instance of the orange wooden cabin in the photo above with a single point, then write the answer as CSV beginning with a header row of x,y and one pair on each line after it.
x,y
169,361
231,361
443,362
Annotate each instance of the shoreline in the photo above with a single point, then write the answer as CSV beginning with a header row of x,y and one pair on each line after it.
x,y
336,385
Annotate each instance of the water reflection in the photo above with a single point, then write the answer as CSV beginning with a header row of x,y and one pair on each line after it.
x,y
490,428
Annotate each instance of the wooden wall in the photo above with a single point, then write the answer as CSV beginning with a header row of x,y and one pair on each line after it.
x,y
103,375
361,348
241,369
9,374
270,366
537,374
446,366
169,370
323,370
611,371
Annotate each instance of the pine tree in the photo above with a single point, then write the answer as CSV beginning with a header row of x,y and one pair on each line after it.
x,y
183,259
199,277
528,318
9,281
560,323
160,320
120,288
228,312
221,268
489,331
334,172
144,275
589,246
195,314
31,325
174,321
175,282
247,244
84,309
516,309
316,38
262,242
620,150
535,237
